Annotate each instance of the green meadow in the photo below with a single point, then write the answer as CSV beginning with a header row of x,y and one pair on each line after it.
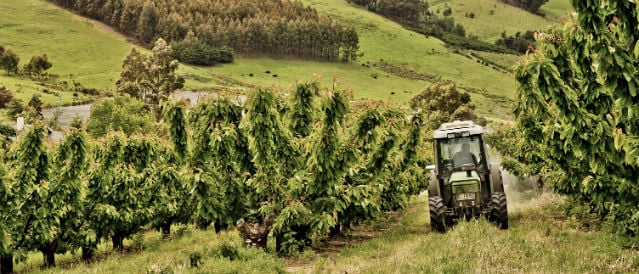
x,y
90,53
492,17
79,50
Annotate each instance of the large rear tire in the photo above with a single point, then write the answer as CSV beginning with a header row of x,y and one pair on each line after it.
x,y
495,177
499,210
437,214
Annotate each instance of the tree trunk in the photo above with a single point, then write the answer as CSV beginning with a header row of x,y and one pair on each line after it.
x,y
6,263
88,252
49,257
218,226
203,224
166,230
334,231
278,243
118,242
257,234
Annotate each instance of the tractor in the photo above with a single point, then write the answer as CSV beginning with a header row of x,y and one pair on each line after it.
x,y
462,184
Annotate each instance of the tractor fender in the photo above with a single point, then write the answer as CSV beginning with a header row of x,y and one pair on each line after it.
x,y
433,185
496,181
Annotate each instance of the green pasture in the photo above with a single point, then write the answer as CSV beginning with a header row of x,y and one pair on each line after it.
x,y
492,17
90,53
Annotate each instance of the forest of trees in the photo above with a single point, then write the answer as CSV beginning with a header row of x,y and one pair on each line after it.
x,y
528,5
280,29
415,16
518,42
403,11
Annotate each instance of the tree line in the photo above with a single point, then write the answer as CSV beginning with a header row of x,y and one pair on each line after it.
x,y
10,61
295,166
527,5
518,42
280,29
403,11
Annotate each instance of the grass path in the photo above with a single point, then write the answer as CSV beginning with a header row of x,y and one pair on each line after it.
x,y
540,240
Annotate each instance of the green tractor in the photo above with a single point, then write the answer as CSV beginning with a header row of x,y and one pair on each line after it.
x,y
462,183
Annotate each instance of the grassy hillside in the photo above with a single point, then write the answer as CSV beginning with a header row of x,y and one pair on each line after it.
x,y
382,39
556,9
492,17
78,50
88,53
540,240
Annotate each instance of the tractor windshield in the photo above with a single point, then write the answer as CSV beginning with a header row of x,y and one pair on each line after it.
x,y
455,152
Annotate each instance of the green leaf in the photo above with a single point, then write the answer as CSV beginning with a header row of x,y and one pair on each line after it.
x,y
636,50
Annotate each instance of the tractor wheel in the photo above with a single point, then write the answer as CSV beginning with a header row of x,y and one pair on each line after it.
x,y
499,210
437,214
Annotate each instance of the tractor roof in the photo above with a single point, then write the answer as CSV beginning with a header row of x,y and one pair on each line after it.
x,y
466,127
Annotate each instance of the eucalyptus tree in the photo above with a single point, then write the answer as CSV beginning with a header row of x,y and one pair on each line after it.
x,y
135,76
9,61
151,79
162,66
38,64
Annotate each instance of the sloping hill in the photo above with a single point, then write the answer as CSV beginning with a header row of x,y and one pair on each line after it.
x,y
91,54
382,39
492,17
78,50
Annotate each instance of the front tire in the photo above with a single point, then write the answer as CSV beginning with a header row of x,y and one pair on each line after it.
x,y
437,214
499,210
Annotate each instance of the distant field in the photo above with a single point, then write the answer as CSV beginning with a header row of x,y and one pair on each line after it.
x,y
504,60
492,17
557,9
381,38
78,50
91,54
286,73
